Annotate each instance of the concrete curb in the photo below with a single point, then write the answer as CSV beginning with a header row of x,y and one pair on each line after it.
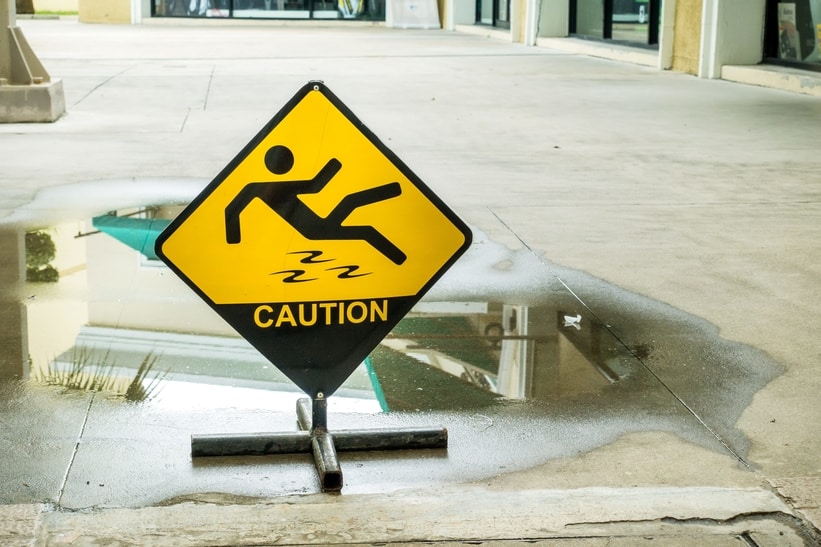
x,y
461,513
775,77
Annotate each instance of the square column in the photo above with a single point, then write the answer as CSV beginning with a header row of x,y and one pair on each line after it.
x,y
27,92
14,359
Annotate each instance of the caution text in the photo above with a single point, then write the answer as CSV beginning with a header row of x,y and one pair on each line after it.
x,y
309,314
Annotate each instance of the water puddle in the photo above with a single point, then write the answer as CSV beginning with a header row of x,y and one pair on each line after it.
x,y
99,312
87,308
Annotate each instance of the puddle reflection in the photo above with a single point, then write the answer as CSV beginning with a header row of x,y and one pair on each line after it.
x,y
113,318
500,351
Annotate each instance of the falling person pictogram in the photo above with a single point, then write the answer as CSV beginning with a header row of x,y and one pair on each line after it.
x,y
283,198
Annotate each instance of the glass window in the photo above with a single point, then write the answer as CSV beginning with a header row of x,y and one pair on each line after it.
x,y
630,20
272,9
485,12
590,18
503,15
191,8
633,21
798,24
268,9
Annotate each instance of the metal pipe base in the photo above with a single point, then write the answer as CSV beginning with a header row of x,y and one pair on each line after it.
x,y
314,438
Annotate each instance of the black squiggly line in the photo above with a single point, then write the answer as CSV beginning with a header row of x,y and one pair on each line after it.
x,y
312,257
294,276
349,272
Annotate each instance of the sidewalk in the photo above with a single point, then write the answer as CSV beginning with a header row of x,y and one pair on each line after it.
x,y
683,214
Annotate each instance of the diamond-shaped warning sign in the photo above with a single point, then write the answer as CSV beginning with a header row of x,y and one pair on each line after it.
x,y
314,241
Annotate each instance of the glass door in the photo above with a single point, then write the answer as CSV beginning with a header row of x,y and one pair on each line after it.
x,y
629,21
501,13
493,12
793,33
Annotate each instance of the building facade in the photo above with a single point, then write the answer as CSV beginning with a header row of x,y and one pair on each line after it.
x,y
707,38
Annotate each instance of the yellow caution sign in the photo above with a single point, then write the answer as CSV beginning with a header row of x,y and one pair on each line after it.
x,y
314,227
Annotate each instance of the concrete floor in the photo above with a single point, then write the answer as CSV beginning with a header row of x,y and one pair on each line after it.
x,y
681,213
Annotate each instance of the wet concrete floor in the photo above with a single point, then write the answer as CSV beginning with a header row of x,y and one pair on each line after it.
x,y
117,361
559,389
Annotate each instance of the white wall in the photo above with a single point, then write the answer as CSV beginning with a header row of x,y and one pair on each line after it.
x,y
667,34
732,34
553,18
531,22
140,9
56,5
459,12
124,292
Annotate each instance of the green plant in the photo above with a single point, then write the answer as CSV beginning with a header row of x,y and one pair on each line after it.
x,y
46,274
40,250
24,7
82,374
138,390
86,373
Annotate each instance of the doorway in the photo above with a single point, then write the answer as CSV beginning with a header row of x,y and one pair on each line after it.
x,y
633,22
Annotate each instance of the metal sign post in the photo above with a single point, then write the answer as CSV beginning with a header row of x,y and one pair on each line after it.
x,y
312,244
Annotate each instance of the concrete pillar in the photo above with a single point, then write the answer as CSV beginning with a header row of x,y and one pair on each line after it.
x,y
553,17
687,36
732,34
459,12
27,92
517,20
667,34
14,358
515,356
105,11
140,9
544,373
531,22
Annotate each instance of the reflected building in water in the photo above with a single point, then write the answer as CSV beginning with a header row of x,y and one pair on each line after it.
x,y
13,327
116,305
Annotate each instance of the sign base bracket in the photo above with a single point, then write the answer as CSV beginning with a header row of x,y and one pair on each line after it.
x,y
313,437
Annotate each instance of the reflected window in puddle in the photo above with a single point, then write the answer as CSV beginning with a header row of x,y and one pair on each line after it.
x,y
117,320
522,352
